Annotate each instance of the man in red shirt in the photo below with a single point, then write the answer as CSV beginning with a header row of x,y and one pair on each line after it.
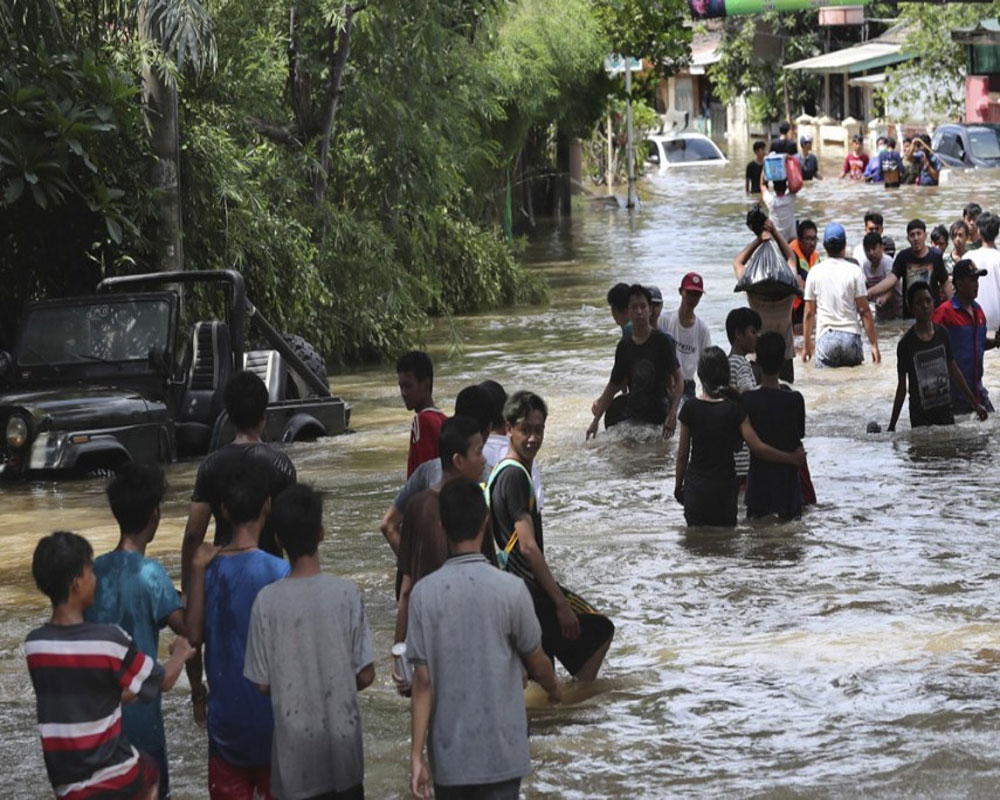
x,y
416,387
856,160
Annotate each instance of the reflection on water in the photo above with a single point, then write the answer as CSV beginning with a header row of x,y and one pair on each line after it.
x,y
852,652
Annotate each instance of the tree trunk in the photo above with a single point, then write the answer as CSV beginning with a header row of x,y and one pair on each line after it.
x,y
164,134
564,202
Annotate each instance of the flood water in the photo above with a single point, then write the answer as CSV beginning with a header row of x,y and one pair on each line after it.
x,y
853,652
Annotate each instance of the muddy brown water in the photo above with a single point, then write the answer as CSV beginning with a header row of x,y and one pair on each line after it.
x,y
852,652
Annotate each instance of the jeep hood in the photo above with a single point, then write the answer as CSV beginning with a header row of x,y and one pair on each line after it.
x,y
78,407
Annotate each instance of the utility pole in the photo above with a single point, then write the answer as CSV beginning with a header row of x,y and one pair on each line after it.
x,y
629,145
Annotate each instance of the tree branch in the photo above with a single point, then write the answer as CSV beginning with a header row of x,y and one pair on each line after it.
x,y
287,135
338,65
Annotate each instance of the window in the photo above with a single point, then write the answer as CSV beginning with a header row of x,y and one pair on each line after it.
x,y
680,151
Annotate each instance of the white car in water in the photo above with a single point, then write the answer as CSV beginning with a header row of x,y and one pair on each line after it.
x,y
684,149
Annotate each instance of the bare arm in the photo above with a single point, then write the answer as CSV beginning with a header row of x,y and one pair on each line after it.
x,y
765,451
420,709
886,284
199,515
740,262
176,622
677,391
683,452
602,405
392,523
403,608
897,402
180,651
808,323
541,671
194,615
526,540
959,380
364,678
869,323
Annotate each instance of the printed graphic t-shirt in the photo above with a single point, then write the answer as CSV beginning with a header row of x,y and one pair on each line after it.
x,y
928,268
925,365
689,342
647,367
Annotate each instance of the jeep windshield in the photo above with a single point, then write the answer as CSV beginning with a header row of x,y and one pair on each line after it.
x,y
105,331
983,143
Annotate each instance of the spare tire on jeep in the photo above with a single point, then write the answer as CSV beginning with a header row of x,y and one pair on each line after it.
x,y
296,388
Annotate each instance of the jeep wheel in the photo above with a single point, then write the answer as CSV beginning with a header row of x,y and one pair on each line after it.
x,y
297,389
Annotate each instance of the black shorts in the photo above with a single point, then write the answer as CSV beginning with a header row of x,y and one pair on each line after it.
x,y
595,629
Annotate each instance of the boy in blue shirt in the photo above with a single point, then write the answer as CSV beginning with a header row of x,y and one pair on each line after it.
x,y
135,593
224,584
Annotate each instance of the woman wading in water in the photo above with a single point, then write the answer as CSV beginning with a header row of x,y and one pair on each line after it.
x,y
712,427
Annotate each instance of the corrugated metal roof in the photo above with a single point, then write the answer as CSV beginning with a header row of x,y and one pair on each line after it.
x,y
858,58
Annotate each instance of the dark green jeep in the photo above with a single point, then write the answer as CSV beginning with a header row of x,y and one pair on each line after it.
x,y
99,380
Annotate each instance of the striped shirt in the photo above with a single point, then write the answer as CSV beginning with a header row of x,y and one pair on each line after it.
x,y
79,673
742,379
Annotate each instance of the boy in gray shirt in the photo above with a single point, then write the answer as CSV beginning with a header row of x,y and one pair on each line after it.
x,y
471,627
309,647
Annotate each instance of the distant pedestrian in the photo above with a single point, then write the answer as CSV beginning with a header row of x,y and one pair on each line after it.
x,y
876,267
742,327
778,416
472,629
416,386
712,427
929,164
807,159
755,169
310,651
135,593
837,307
924,358
856,159
655,306
781,208
689,332
891,165
82,673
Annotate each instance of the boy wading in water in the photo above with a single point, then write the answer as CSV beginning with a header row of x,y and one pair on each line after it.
x,y
924,357
136,593
83,672
472,629
572,630
645,362
309,649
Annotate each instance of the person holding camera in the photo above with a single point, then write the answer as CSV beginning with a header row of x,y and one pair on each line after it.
x,y
928,164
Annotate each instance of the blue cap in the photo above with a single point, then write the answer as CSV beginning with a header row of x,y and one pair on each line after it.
x,y
834,233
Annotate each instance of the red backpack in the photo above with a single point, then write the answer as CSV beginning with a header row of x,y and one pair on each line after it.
x,y
793,169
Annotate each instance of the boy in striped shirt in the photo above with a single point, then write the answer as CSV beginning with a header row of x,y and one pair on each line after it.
x,y
82,673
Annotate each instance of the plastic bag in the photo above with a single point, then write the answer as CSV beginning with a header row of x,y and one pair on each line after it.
x,y
794,171
768,272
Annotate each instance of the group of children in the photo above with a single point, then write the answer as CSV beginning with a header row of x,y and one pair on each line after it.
x,y
286,647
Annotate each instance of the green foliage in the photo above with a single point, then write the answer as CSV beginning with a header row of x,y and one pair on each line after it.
x,y
931,82
72,154
772,92
656,30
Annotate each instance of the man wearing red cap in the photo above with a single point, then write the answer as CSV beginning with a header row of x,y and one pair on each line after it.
x,y
690,334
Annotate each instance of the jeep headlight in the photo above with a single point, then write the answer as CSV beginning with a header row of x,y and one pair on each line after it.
x,y
17,432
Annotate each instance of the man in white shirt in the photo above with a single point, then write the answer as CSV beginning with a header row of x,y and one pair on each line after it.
x,y
876,266
836,306
873,224
690,334
987,257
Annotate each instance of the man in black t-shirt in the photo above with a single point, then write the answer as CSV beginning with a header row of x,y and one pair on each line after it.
x,y
572,630
647,363
245,397
918,263
755,169
924,356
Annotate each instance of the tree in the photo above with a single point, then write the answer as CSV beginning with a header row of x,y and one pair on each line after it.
x,y
933,82
656,30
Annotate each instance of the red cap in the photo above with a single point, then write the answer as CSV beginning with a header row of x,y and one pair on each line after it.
x,y
692,282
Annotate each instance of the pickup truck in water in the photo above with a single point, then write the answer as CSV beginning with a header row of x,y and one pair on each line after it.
x,y
116,376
